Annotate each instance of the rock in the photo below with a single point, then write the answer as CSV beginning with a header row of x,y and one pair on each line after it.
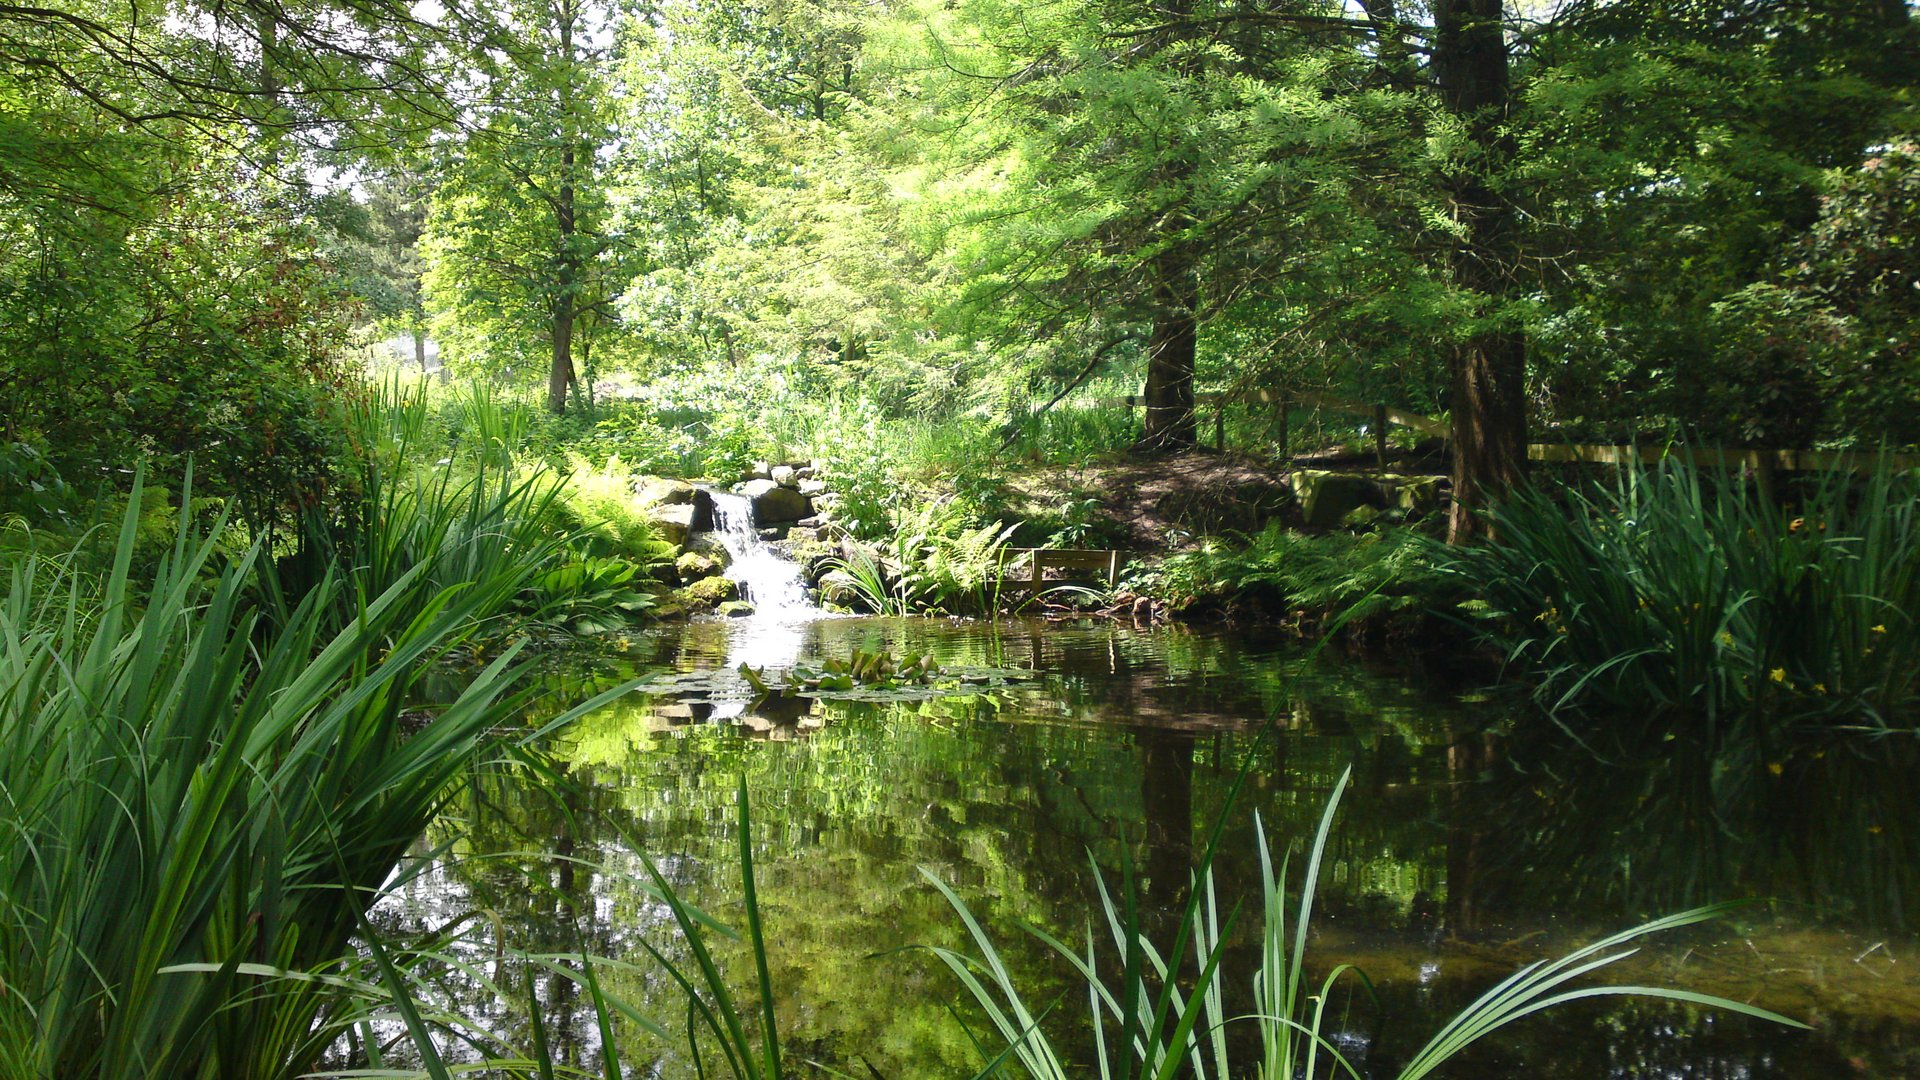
x,y
736,609
693,565
839,588
710,545
660,491
1361,517
783,475
804,472
1328,497
810,487
1414,494
760,471
672,523
775,505
707,594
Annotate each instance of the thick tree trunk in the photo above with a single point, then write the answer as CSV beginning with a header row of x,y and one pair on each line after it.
x,y
420,349
1168,394
1488,368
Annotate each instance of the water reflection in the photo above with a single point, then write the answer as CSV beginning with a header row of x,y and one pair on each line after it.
x,y
1463,851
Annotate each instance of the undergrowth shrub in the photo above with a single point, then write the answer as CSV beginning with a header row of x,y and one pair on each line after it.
x,y
1310,577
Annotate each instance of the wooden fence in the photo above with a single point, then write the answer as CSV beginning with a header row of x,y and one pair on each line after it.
x,y
1759,461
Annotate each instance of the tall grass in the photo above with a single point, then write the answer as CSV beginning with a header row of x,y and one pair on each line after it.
x,y
1672,592
194,794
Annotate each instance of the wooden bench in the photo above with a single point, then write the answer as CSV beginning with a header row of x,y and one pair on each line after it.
x,y
1106,563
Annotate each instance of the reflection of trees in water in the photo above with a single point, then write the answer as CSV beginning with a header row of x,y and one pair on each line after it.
x,y
1132,739
1828,825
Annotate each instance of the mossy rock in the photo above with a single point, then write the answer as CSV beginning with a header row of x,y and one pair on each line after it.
x,y
706,594
710,545
736,609
1326,498
694,566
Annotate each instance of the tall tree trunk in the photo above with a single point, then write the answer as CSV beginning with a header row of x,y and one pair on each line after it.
x,y
1168,395
1488,367
561,377
420,348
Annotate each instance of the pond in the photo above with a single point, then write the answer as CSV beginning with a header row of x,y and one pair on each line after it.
x,y
1476,837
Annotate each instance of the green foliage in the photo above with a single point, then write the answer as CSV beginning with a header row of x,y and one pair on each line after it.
x,y
933,560
1317,577
600,502
878,670
587,595
1681,595
260,782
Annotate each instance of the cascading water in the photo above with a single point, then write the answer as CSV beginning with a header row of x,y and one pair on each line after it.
x,y
771,582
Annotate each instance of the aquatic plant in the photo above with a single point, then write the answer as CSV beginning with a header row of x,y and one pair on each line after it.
x,y
196,795
1668,592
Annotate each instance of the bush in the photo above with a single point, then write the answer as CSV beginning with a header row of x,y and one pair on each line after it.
x,y
1364,576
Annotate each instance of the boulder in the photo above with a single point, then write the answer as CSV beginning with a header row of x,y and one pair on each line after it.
x,y
1415,495
660,491
759,471
775,505
736,609
710,545
672,523
694,565
783,475
706,594
810,487
1326,498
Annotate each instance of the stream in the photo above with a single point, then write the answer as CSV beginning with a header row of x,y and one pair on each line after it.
x,y
1475,838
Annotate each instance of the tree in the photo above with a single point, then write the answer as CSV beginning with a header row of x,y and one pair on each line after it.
x,y
521,263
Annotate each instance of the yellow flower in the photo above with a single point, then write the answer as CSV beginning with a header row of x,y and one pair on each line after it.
x,y
1775,768
1819,688
1878,629
1726,638
1778,674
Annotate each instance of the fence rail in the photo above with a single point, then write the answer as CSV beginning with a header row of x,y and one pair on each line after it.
x,y
1589,453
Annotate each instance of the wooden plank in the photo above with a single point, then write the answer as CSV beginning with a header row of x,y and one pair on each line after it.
x,y
1107,562
1715,457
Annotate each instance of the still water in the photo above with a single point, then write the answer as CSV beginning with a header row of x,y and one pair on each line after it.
x,y
1476,837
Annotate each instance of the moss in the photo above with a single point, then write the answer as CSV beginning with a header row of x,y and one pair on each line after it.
x,y
706,594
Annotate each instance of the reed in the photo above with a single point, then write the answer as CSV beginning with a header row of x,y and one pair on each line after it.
x,y
1710,597
196,793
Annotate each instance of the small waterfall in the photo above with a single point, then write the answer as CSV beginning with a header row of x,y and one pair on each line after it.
x,y
771,582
